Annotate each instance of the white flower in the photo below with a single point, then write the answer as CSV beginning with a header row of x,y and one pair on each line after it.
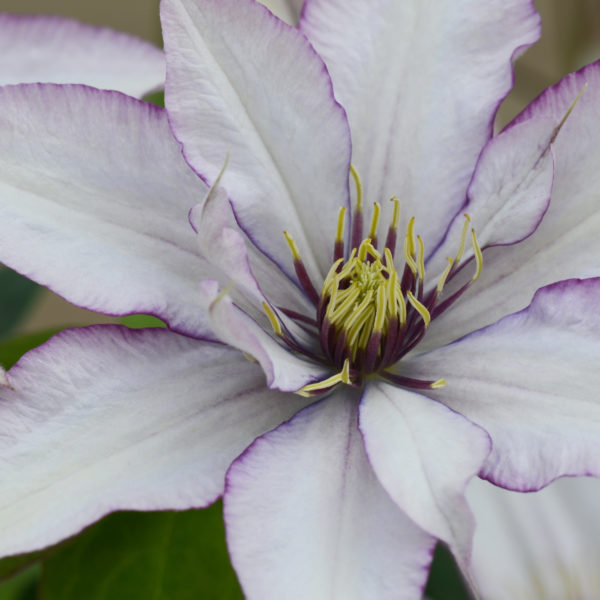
x,y
340,490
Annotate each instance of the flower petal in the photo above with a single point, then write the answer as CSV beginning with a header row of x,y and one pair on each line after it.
x,y
510,191
421,85
244,84
306,517
531,381
424,455
56,50
283,369
225,247
539,545
95,197
567,242
105,418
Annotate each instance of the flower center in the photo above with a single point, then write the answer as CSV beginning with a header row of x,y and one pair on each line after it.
x,y
368,315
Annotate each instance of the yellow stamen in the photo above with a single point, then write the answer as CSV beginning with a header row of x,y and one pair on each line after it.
x,y
442,281
380,307
222,295
410,236
374,220
275,324
396,215
463,238
440,383
478,255
362,251
421,258
342,377
292,245
420,308
358,184
339,235
410,261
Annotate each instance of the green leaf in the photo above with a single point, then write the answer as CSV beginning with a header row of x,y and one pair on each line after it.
x,y
17,293
157,98
157,556
445,579
12,350
141,321
22,586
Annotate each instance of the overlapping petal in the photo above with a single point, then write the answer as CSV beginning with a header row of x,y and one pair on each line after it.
x,y
509,194
421,83
284,370
531,382
306,517
241,83
539,545
56,50
424,455
105,418
95,197
566,244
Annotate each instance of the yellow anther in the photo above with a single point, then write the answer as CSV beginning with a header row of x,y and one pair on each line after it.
x,y
359,311
389,260
275,324
410,261
345,374
344,303
222,295
478,256
442,281
381,306
360,333
362,251
328,283
339,234
440,383
421,258
420,308
463,238
401,304
292,245
391,293
358,184
396,215
410,236
342,377
374,220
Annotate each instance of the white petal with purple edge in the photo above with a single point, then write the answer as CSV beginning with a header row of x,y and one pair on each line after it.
x,y
225,246
105,418
509,193
539,545
531,381
95,199
56,50
567,242
242,83
424,455
421,83
307,518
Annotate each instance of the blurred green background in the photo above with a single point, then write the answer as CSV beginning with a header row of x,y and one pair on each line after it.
x,y
195,558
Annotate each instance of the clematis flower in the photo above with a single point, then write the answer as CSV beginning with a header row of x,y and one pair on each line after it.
x,y
542,545
370,299
58,50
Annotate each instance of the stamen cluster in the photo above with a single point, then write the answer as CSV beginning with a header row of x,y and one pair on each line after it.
x,y
368,316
